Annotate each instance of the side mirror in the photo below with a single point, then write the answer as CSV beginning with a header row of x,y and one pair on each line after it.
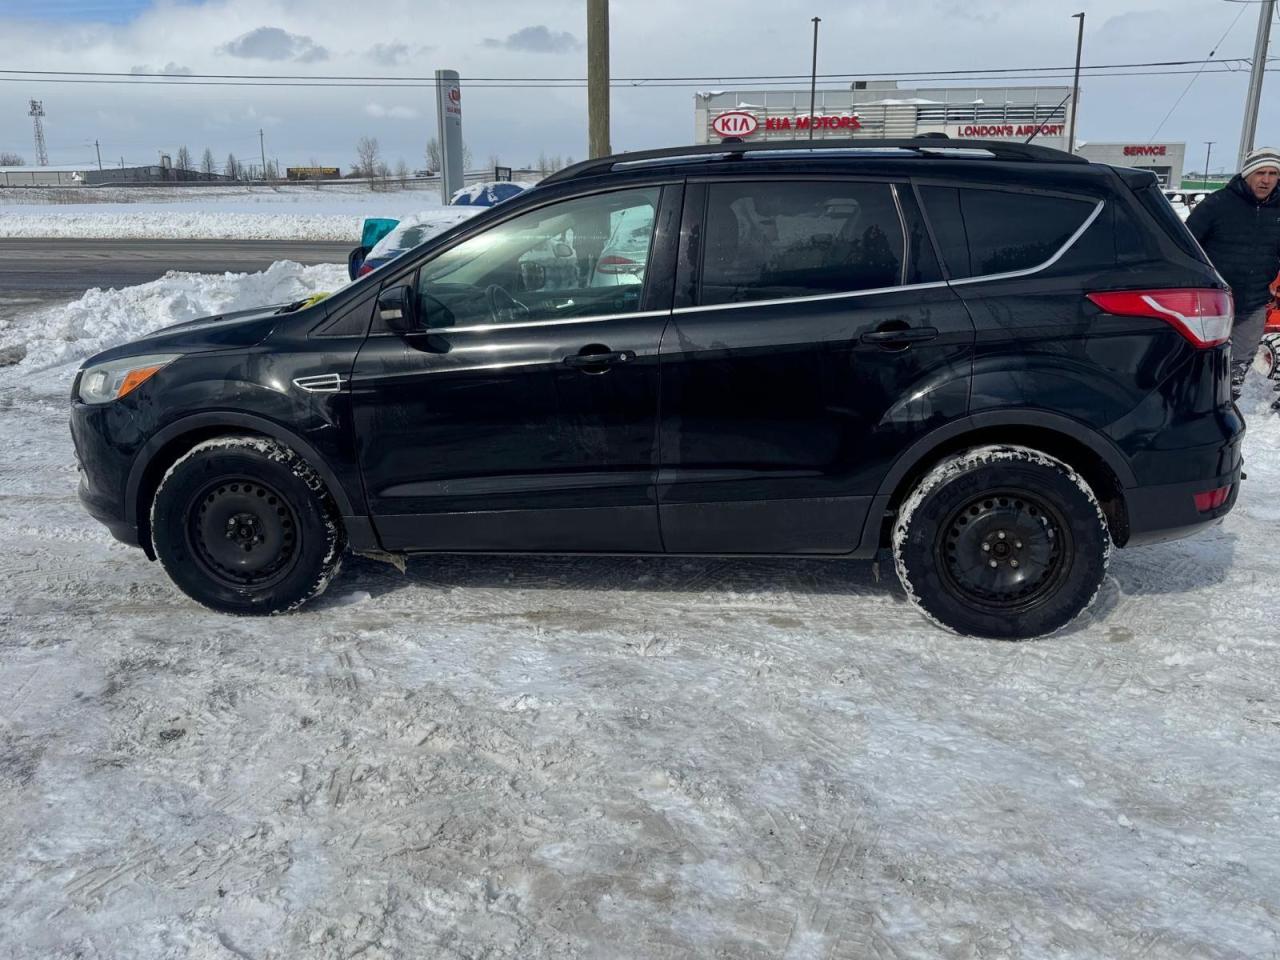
x,y
562,250
355,260
398,309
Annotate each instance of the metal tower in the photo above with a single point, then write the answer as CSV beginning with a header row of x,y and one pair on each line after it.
x,y
35,113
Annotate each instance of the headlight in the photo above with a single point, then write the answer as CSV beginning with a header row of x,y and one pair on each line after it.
x,y
115,378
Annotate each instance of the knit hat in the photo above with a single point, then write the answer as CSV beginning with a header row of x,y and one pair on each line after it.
x,y
1262,157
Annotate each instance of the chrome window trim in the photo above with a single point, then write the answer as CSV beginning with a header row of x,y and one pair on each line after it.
x,y
1062,251
875,291
902,225
490,327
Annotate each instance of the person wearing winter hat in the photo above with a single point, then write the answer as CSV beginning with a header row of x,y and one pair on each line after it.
x,y
1239,228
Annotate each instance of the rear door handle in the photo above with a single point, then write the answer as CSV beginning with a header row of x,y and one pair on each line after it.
x,y
907,335
604,359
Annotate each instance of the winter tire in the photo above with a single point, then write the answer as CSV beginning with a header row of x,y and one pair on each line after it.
x,y
243,525
1003,542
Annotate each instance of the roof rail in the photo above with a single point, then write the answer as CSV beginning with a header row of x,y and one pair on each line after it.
x,y
922,146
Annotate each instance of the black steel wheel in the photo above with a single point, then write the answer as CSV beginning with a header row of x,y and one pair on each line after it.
x,y
1003,542
243,525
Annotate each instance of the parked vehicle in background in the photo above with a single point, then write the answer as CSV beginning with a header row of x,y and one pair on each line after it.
x,y
991,362
386,239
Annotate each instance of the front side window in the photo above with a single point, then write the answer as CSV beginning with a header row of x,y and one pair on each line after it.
x,y
774,240
582,257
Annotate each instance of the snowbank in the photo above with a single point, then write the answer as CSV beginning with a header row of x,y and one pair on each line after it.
x,y
105,318
298,214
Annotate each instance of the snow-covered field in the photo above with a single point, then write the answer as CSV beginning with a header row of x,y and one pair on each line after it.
x,y
212,213
621,758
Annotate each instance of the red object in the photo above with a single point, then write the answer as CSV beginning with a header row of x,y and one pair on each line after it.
x,y
618,264
1202,316
1273,308
1212,499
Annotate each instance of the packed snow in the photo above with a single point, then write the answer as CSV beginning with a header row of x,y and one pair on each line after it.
x,y
212,213
614,757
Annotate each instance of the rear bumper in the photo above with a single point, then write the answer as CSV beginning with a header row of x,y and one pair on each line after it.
x,y
1168,511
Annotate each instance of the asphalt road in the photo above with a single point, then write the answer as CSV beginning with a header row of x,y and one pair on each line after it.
x,y
41,270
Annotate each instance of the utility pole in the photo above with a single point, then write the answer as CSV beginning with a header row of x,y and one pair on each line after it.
x,y
813,76
1075,83
598,78
99,150
1208,149
1266,10
263,150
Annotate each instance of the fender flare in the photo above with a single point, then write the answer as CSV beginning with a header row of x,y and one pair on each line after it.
x,y
1083,434
231,421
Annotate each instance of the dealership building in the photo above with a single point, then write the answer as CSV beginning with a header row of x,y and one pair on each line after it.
x,y
881,109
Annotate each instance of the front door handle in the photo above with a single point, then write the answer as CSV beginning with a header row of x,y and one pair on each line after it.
x,y
597,358
901,336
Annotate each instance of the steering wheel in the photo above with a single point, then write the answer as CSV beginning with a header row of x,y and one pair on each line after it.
x,y
503,307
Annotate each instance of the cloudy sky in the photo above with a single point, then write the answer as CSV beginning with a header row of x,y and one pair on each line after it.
x,y
546,39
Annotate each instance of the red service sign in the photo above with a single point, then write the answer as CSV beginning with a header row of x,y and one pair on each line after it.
x,y
735,123
1147,150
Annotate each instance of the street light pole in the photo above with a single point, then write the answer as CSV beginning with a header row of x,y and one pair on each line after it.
x,y
813,76
1075,83
1208,148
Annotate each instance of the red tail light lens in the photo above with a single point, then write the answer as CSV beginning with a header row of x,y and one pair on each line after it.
x,y
1212,499
364,271
614,264
1202,316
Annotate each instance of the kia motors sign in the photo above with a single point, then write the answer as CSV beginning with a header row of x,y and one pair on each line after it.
x,y
735,123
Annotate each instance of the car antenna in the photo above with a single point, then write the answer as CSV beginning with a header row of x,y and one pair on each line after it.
x,y
1049,117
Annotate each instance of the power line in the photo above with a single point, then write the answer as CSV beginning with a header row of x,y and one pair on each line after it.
x,y
1225,68
1191,82
720,78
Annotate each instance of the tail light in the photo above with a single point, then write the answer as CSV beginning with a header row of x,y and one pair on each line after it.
x,y
1202,316
364,271
615,264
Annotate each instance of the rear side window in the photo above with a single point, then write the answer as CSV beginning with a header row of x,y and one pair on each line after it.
x,y
774,240
984,232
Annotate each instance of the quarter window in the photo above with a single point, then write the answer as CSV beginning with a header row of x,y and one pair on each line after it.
x,y
772,240
996,231
582,257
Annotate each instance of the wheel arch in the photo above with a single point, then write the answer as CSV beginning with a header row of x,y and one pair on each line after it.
x,y
1092,455
171,443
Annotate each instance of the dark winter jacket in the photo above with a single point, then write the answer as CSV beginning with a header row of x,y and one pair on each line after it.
x,y
1242,238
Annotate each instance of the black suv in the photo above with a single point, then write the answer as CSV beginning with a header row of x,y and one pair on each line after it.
x,y
994,360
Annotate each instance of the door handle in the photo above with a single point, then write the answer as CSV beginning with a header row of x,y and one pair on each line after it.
x,y
605,358
901,337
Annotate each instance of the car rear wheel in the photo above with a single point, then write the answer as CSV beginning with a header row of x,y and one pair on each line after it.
x,y
1003,542
243,525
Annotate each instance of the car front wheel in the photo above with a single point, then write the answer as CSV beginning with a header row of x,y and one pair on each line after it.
x,y
1003,542
243,525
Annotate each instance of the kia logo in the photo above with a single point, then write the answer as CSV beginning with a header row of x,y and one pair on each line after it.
x,y
455,94
736,123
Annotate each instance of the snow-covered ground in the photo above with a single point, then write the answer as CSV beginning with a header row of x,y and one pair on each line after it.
x,y
622,758
212,213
